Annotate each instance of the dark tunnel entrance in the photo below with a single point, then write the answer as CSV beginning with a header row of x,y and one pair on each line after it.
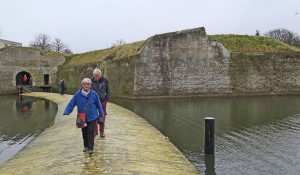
x,y
23,78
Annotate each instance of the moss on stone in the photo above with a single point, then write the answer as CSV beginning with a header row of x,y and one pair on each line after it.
x,y
239,57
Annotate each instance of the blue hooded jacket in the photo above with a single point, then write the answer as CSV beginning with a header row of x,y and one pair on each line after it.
x,y
93,109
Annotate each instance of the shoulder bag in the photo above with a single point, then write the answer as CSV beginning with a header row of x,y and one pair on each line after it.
x,y
81,118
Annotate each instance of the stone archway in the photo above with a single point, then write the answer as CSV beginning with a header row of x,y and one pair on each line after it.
x,y
19,78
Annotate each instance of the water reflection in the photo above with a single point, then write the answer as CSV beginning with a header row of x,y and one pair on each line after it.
x,y
21,119
23,105
254,135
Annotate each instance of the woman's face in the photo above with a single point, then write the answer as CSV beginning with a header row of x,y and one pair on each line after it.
x,y
86,86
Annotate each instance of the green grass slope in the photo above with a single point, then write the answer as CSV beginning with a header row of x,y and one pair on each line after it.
x,y
245,43
116,52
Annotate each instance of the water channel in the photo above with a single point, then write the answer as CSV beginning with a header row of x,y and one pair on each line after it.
x,y
21,120
254,135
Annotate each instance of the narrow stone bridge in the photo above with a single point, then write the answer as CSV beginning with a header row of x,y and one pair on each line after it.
x,y
131,146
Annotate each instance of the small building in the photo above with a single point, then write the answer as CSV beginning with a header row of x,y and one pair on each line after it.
x,y
4,43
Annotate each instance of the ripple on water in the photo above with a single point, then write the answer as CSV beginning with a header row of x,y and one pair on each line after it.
x,y
269,149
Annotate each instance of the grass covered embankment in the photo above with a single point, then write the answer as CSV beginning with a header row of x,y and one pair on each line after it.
x,y
245,43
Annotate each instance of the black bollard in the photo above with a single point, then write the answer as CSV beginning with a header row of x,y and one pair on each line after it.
x,y
209,161
209,135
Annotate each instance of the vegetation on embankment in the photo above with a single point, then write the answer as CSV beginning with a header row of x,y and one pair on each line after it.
x,y
234,43
51,53
116,52
245,43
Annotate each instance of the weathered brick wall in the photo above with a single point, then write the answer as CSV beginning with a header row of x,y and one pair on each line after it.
x,y
120,74
14,60
265,72
73,75
182,63
186,63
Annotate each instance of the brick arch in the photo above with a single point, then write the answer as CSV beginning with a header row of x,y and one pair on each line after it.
x,y
19,78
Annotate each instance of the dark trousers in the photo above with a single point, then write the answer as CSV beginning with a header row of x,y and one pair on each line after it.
x,y
62,90
88,135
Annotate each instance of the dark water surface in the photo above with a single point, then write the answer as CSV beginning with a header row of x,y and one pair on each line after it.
x,y
254,135
21,120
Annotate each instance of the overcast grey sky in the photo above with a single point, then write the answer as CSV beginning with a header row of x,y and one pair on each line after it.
x,y
96,24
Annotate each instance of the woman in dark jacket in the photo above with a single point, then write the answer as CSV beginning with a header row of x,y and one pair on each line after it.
x,y
86,100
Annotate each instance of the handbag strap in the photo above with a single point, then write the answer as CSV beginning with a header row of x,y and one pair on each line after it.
x,y
86,105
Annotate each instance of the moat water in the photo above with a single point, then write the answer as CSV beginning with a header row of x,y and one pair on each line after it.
x,y
21,120
253,135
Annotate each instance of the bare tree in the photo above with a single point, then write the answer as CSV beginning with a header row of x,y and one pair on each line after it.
x,y
285,36
59,46
68,51
42,42
119,42
257,33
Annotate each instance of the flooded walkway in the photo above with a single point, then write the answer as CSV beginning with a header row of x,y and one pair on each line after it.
x,y
131,146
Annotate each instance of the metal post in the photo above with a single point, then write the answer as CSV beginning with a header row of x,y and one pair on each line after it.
x,y
209,135
210,164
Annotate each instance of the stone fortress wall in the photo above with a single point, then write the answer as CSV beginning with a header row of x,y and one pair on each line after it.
x,y
184,63
15,61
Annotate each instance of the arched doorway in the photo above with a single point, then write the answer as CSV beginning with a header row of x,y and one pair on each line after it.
x,y
20,76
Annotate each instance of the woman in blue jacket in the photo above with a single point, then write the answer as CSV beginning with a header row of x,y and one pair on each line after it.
x,y
86,98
